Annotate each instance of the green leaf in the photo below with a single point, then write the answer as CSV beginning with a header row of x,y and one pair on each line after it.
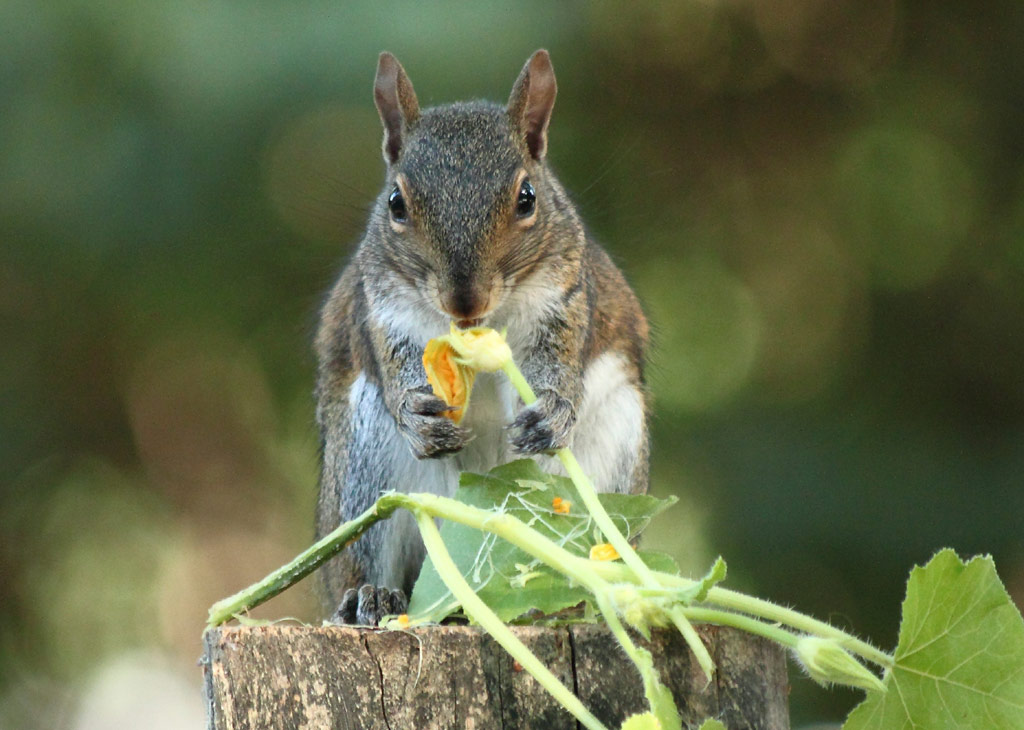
x,y
506,578
663,704
960,658
711,724
646,721
699,591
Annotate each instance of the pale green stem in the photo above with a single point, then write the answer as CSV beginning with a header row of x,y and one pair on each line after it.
x,y
611,532
302,565
788,639
505,526
761,608
585,488
681,622
604,523
485,617
519,383
516,532
738,621
771,612
662,705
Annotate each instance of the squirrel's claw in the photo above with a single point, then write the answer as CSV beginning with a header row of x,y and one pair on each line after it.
x,y
367,605
430,434
424,403
543,426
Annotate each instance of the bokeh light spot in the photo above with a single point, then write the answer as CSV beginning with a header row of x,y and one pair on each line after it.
x,y
201,415
139,690
907,200
834,41
812,301
707,329
103,542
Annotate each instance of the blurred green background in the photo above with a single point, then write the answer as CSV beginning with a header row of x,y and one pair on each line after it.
x,y
821,203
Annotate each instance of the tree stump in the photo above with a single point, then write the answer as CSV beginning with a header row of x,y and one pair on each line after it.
x,y
305,678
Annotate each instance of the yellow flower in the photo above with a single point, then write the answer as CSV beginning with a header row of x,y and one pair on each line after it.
x,y
480,348
561,506
603,551
403,620
452,361
450,379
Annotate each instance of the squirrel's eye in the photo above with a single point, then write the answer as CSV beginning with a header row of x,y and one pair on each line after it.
x,y
396,204
527,200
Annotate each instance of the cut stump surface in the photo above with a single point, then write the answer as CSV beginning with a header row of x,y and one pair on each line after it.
x,y
296,677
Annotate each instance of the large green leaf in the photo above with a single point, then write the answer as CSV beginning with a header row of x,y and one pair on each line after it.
x,y
506,578
960,658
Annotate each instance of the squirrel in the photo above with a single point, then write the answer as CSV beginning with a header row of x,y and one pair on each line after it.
x,y
472,227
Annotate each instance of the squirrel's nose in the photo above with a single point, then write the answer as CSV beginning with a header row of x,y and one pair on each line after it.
x,y
465,305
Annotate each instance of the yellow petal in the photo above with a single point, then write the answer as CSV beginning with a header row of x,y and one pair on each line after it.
x,y
603,551
480,348
450,380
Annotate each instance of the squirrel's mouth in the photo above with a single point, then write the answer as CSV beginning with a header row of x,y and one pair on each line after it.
x,y
465,324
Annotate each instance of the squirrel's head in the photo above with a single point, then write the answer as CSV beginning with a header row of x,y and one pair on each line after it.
x,y
469,209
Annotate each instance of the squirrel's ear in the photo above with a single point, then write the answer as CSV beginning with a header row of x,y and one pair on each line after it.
x,y
396,103
531,101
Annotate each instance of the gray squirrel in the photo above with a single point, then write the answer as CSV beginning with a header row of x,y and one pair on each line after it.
x,y
472,227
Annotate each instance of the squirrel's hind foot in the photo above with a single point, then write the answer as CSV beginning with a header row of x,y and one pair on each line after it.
x,y
368,604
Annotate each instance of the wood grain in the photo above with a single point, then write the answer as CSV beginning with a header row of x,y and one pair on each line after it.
x,y
307,678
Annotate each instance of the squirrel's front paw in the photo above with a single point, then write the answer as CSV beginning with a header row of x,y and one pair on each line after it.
x,y
367,605
430,433
543,426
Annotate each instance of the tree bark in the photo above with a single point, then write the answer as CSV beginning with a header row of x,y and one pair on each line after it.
x,y
306,678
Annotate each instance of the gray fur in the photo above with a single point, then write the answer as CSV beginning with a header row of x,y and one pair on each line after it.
x,y
463,252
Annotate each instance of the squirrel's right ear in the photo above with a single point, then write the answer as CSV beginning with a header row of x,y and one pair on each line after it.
x,y
531,101
396,104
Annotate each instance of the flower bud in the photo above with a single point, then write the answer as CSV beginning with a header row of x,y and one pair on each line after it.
x,y
398,623
603,551
639,612
561,506
825,661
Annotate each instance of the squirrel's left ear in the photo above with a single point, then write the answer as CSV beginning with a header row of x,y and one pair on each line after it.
x,y
531,101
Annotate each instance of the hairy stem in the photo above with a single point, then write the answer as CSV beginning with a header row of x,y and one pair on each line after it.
x,y
302,565
766,610
663,706
585,488
481,614
746,623
772,612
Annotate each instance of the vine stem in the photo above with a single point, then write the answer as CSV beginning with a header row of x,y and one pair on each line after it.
x,y
602,579
478,611
746,623
594,575
585,488
773,612
662,705
303,564
766,610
